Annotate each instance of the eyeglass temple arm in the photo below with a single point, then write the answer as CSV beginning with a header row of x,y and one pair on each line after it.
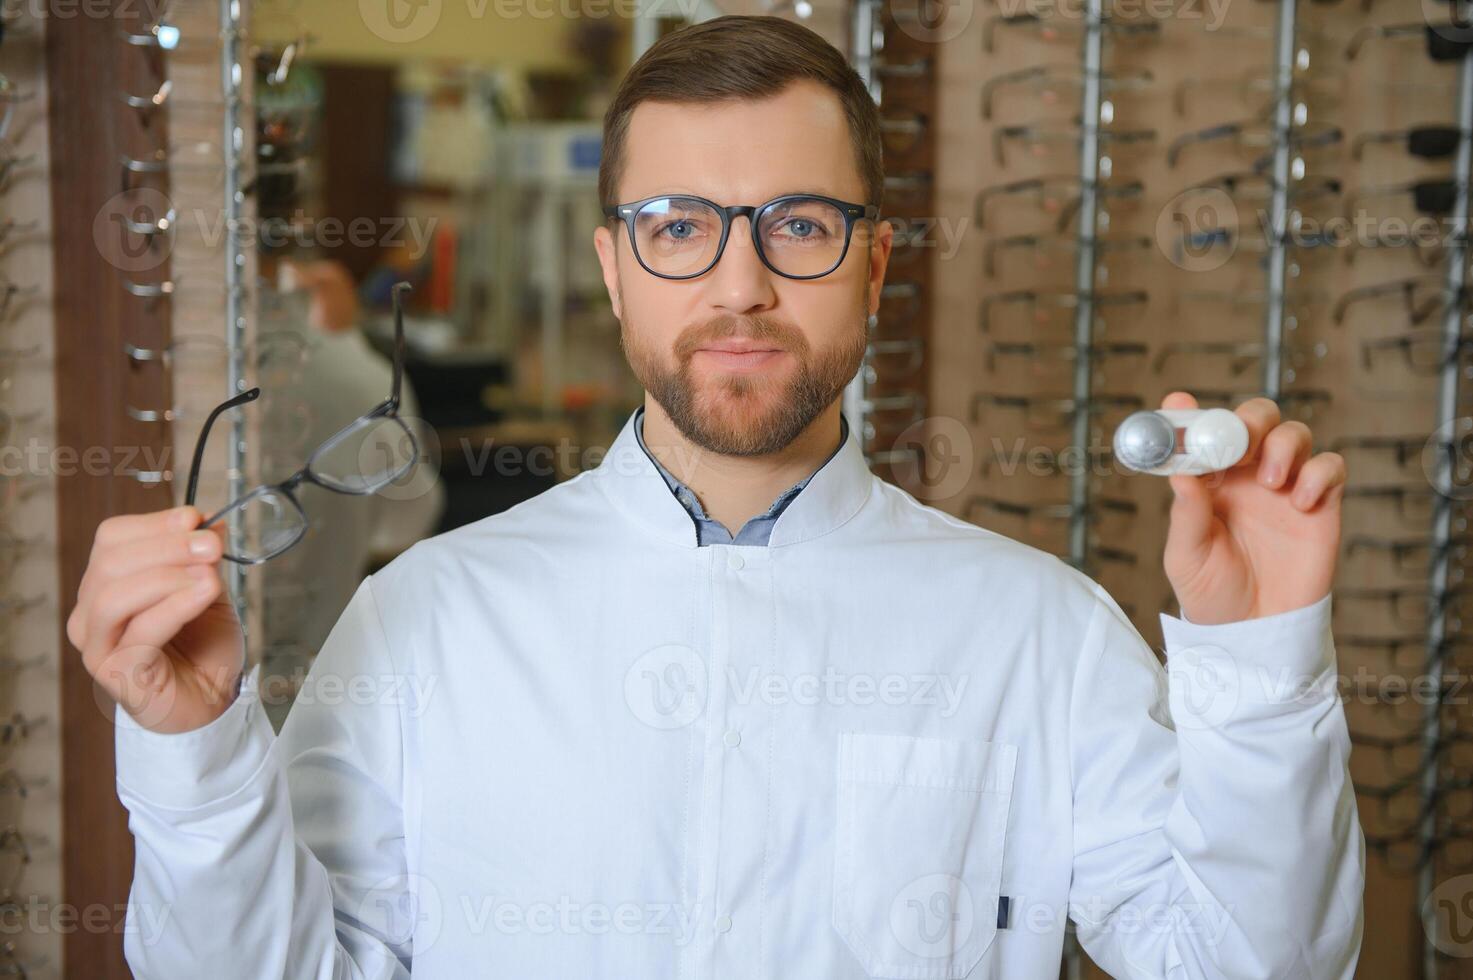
x,y
990,87
1357,147
399,289
204,434
1174,151
1380,32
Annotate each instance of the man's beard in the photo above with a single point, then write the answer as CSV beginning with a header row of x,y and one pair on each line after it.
x,y
746,414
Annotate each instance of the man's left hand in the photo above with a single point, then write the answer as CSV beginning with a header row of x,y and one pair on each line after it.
x,y
1262,537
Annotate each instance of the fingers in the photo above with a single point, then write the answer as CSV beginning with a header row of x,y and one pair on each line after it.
x,y
1285,447
115,604
202,546
135,536
1179,399
156,625
1320,480
130,527
132,557
133,668
1261,416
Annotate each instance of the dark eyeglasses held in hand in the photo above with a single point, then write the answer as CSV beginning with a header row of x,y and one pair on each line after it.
x,y
361,458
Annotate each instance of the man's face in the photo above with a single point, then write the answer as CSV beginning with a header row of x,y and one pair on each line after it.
x,y
741,358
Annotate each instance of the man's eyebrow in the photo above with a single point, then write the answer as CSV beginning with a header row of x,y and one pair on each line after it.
x,y
790,193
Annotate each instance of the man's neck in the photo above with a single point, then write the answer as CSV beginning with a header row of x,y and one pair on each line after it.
x,y
734,489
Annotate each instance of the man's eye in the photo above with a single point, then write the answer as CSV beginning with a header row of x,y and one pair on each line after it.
x,y
681,230
802,229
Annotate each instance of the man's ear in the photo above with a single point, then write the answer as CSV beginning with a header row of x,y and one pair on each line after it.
x,y
603,243
879,257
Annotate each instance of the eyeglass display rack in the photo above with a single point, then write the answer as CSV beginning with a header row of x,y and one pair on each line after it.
x,y
1370,425
30,755
1447,491
192,172
1443,478
217,99
1065,311
204,83
887,401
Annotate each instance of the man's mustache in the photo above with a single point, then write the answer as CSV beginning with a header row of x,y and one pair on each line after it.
x,y
758,328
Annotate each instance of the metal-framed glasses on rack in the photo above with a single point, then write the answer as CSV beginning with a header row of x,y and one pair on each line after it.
x,y
362,458
1427,142
1045,81
1421,297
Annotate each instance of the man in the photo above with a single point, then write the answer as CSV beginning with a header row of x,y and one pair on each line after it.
x,y
600,735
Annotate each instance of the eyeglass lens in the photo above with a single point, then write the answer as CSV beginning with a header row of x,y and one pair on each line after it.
x,y
679,236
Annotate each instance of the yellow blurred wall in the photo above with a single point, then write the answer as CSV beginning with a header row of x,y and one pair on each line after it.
x,y
517,34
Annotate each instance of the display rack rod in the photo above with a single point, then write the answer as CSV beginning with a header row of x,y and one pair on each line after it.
x,y
234,146
1276,260
1091,63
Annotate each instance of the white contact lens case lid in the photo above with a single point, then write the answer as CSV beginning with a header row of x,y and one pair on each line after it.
x,y
1189,441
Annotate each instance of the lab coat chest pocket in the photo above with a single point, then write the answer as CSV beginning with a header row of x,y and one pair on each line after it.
x,y
919,851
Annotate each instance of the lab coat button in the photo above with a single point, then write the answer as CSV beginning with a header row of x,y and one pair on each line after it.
x,y
734,562
732,739
723,923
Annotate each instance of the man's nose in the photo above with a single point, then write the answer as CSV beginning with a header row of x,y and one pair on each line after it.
x,y
739,282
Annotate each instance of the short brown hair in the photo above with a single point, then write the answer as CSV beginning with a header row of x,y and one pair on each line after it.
x,y
740,57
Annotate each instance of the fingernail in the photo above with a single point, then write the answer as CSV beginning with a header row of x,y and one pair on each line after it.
x,y
1271,474
202,544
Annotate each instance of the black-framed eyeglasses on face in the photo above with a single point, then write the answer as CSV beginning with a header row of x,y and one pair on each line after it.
x,y
361,458
797,236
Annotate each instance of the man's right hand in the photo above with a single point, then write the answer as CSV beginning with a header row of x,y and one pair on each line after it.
x,y
154,621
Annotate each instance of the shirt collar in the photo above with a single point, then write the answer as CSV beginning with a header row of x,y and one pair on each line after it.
x,y
688,497
641,488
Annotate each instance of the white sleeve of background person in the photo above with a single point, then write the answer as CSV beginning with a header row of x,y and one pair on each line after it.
x,y
275,858
1215,826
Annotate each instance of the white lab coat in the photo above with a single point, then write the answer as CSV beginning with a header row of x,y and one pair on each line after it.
x,y
582,747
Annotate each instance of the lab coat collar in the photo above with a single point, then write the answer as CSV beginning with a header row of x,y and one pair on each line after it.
x,y
634,485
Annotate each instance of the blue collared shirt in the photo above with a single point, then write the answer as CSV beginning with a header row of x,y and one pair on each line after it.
x,y
709,531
